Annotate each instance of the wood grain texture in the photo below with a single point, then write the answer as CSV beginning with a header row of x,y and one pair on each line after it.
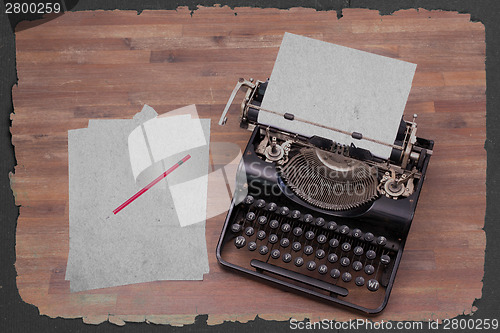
x,y
108,64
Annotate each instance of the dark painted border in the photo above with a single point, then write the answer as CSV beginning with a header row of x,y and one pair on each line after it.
x,y
17,316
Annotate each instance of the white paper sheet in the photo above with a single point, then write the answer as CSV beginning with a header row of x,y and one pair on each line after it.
x,y
144,242
340,87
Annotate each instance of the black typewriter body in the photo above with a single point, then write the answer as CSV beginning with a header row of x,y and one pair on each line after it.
x,y
342,243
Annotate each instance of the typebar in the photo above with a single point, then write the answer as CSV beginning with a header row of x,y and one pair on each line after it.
x,y
283,272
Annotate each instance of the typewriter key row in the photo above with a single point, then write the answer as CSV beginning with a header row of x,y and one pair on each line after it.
x,y
240,241
308,219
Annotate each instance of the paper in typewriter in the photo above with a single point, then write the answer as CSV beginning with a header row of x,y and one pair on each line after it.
x,y
339,87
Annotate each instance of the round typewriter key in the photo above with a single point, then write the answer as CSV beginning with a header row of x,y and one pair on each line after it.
x,y
308,250
311,265
373,285
369,269
369,237
240,241
344,230
249,231
320,254
272,207
381,240
250,216
332,257
274,224
263,249
275,254
297,231
358,250
320,222
346,277
235,228
334,242
285,227
331,225
287,257
309,235
262,220
299,261
296,246
357,265
284,210
295,214
252,246
248,200
385,259
346,247
344,261
321,239
356,233
322,269
261,234
273,238
261,203
370,254
308,218
284,242
335,273
359,281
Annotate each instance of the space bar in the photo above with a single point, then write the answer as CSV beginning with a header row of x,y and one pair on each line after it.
x,y
298,277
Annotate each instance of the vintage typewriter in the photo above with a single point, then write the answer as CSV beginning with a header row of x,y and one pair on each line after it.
x,y
320,217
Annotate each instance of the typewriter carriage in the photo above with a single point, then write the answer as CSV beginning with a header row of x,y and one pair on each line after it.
x,y
399,173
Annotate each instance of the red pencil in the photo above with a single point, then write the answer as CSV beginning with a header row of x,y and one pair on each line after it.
x,y
163,175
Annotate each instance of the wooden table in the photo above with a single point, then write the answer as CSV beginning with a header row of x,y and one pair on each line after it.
x,y
108,64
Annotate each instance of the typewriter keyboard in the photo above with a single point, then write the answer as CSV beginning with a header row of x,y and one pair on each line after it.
x,y
326,255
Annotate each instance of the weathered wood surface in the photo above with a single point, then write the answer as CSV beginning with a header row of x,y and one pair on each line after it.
x,y
108,64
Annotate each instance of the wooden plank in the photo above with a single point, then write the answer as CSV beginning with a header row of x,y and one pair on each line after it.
x,y
103,31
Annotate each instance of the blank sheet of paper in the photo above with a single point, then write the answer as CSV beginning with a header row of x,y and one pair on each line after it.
x,y
145,241
339,87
